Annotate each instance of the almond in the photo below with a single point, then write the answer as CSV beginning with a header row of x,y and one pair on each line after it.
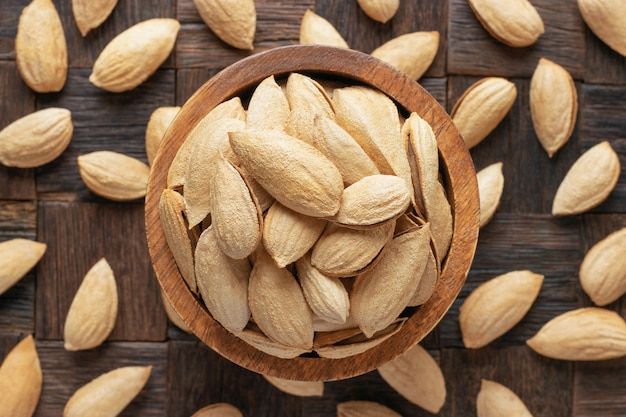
x,y
607,20
20,380
134,55
298,388
173,315
411,53
304,94
90,14
364,409
515,23
218,410
490,188
17,257
233,21
380,10
263,343
496,400
359,343
160,120
315,30
37,138
114,175
268,108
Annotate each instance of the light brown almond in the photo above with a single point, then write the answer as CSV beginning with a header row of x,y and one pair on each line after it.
x,y
359,343
364,409
326,295
222,282
585,334
40,47
288,235
304,94
268,108
218,410
93,311
265,344
278,305
173,315
430,392
553,105
233,21
171,214
320,326
482,107
108,394
315,30
494,307
380,10
20,380
295,173
603,269
428,282
515,23
342,251
411,53
298,388
373,200
89,14
376,299
230,109
114,175
300,124
134,55
496,400
160,120
588,182
490,188
607,20
17,257
36,139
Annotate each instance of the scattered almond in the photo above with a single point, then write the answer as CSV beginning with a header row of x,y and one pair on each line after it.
x,y
218,410
315,30
159,121
17,257
20,380
172,315
490,188
134,55
297,388
515,23
93,311
380,10
36,139
233,21
40,47
114,175
588,182
90,14
364,409
607,20
411,53
496,400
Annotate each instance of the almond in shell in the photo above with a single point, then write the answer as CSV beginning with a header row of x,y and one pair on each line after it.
x,y
90,14
17,257
134,55
364,409
607,20
515,23
268,108
36,139
20,380
263,343
218,410
380,10
490,188
358,342
307,95
233,21
411,53
297,388
496,400
315,30
159,121
40,47
114,175
603,269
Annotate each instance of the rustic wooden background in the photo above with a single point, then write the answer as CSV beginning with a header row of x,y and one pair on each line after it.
x,y
51,204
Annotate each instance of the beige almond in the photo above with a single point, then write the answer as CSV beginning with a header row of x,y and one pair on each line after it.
x,y
326,295
222,282
114,175
171,214
342,251
588,182
297,388
321,326
36,139
364,409
359,343
482,107
373,200
288,235
515,23
159,121
490,188
553,105
399,373
494,307
266,345
40,47
585,334
17,257
412,53
295,173
218,410
207,144
380,10
173,315
93,311
315,30
229,109
233,21
496,400
134,55
20,380
376,299
428,282
108,394
603,269
235,215
89,14
304,94
607,20
268,108
278,305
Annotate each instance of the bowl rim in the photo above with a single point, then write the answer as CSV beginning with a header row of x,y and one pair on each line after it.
x,y
409,94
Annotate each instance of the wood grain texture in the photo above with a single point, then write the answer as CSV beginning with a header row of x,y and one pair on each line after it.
x,y
78,235
9,16
595,390
604,65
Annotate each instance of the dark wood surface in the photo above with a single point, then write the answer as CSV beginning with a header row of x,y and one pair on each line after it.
x,y
52,205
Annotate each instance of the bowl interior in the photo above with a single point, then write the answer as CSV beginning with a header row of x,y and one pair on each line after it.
x,y
331,64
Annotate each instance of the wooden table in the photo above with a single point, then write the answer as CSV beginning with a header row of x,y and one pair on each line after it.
x,y
52,205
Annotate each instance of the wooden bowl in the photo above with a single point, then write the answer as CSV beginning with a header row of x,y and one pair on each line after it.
x,y
357,68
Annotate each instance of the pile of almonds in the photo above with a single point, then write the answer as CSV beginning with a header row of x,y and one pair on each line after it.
x,y
309,220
